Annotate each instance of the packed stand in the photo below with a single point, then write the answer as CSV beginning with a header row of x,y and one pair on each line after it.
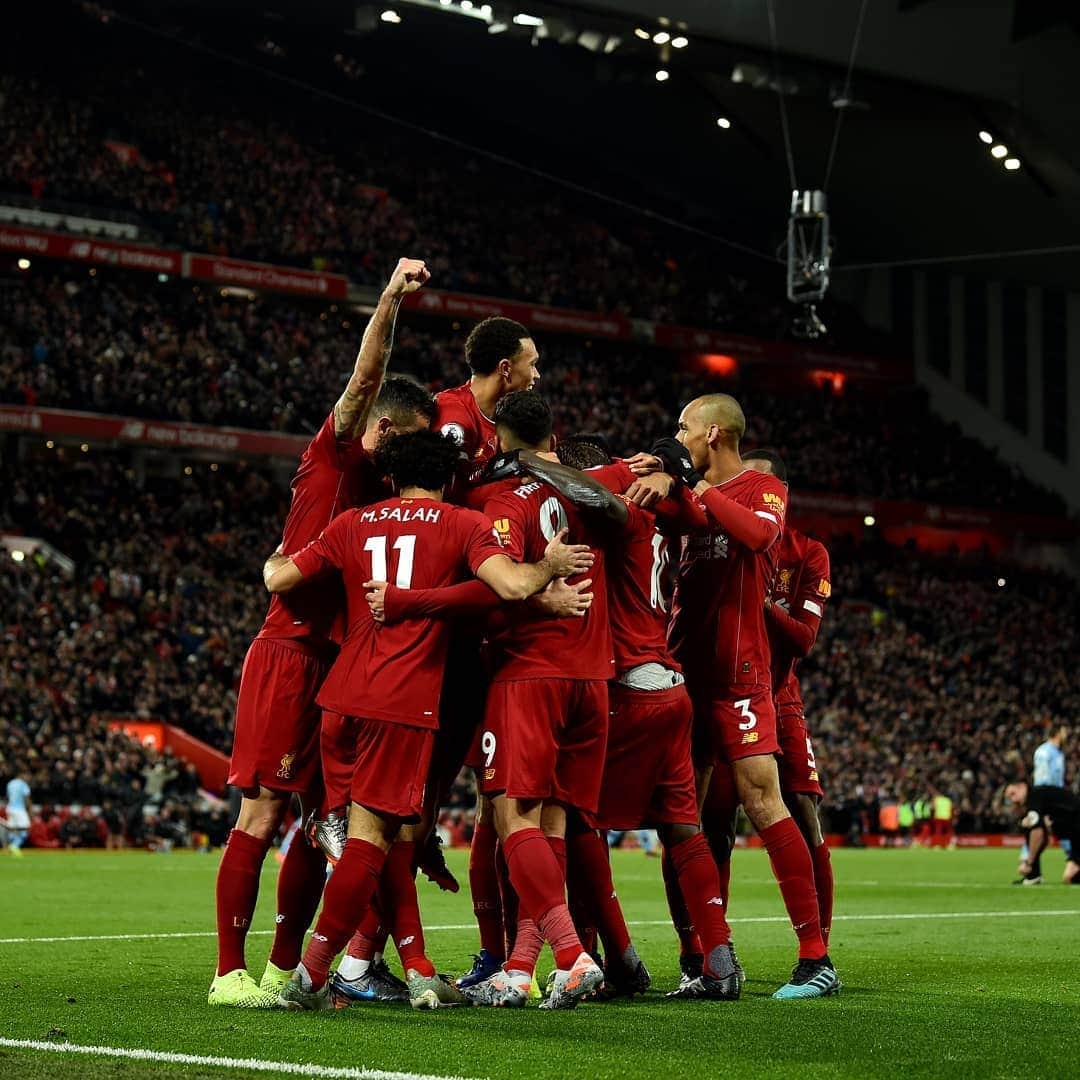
x,y
929,674
166,595
215,173
112,343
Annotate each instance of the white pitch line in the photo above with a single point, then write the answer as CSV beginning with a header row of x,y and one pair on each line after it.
x,y
290,1068
877,917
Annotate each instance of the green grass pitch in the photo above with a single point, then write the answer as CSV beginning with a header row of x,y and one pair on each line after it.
x,y
948,970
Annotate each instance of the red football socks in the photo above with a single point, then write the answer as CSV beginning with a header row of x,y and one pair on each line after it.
x,y
397,896
794,873
300,885
579,897
535,875
509,899
362,945
237,891
689,942
700,882
484,885
558,849
348,894
823,881
527,945
592,872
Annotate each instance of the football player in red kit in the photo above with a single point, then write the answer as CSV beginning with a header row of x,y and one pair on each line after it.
x,y
648,775
502,358
387,680
545,727
276,742
794,608
718,633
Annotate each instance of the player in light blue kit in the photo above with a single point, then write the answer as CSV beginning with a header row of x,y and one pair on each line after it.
x,y
1050,769
18,813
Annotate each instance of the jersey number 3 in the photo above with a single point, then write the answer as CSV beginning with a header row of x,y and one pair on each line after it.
x,y
406,548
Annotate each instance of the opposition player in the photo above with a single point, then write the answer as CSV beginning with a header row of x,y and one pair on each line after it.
x,y
648,774
502,358
719,636
387,680
18,814
1046,807
276,741
794,608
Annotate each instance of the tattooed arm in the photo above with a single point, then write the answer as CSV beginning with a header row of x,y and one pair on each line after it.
x,y
352,408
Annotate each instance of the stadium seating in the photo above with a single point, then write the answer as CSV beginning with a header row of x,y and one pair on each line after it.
x,y
905,633
113,343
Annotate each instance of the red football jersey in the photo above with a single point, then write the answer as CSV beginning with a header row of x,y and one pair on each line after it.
x,y
333,476
395,672
800,585
718,619
526,517
639,592
458,415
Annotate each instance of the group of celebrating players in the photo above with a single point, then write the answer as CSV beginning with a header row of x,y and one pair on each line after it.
x,y
454,586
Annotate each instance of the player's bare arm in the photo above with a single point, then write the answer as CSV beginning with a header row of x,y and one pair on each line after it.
x,y
280,574
352,408
578,487
518,581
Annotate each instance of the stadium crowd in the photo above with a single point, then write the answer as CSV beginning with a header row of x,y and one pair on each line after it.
x,y
312,201
904,633
924,678
183,352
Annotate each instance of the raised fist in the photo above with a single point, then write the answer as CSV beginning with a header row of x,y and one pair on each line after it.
x,y
408,276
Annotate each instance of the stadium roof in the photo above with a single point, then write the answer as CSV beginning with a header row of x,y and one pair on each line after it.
x,y
911,177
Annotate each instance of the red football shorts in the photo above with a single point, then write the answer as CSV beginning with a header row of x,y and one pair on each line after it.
x,y
545,739
798,766
648,775
379,764
337,746
276,741
738,724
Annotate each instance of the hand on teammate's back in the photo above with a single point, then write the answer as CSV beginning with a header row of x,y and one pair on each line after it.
x,y
642,464
376,598
567,559
561,600
649,490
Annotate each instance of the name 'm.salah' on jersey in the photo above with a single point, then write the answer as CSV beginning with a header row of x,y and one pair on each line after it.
x,y
639,593
717,627
395,672
801,587
333,476
526,518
